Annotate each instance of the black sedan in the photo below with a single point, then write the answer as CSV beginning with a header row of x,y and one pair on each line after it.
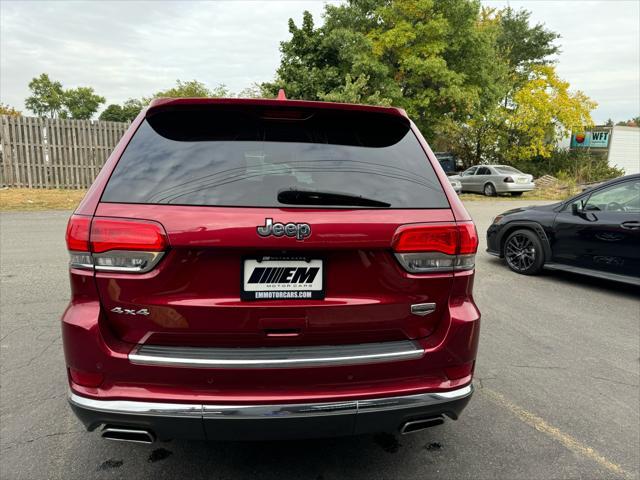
x,y
595,233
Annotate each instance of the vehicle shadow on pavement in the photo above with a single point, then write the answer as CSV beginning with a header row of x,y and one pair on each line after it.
x,y
368,456
605,286
572,280
310,458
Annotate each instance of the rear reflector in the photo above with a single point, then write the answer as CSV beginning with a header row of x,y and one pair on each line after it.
x,y
459,371
436,248
116,245
86,379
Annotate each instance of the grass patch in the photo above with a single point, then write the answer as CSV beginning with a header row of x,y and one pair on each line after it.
x,y
553,193
29,199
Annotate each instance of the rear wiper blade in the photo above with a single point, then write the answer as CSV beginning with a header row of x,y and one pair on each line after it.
x,y
314,197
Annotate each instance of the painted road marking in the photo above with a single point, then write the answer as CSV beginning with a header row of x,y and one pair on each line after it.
x,y
565,439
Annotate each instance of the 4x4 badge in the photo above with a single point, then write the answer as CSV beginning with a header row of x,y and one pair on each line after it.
x,y
298,230
130,311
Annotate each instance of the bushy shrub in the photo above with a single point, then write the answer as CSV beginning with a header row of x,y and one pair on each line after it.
x,y
579,166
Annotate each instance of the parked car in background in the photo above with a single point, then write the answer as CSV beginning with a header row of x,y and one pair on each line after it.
x,y
449,162
492,180
595,233
455,183
248,269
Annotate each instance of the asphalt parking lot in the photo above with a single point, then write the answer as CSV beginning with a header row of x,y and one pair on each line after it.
x,y
557,387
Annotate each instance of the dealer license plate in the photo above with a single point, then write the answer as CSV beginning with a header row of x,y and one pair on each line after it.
x,y
282,279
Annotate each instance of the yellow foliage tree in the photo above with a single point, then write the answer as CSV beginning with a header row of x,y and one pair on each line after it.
x,y
8,110
542,111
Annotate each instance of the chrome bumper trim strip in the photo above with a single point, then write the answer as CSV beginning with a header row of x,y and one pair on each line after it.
x,y
130,407
276,357
412,401
295,410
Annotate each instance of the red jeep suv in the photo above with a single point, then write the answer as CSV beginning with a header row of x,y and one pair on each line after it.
x,y
258,269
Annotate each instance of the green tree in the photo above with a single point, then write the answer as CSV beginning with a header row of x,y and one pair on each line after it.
x,y
192,88
316,61
81,103
634,122
113,113
47,96
535,107
122,113
524,44
355,91
252,91
477,81
429,57
437,55
9,110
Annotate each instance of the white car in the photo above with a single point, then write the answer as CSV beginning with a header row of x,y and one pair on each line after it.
x,y
494,179
455,183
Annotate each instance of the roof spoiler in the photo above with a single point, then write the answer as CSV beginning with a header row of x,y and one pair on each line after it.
x,y
158,104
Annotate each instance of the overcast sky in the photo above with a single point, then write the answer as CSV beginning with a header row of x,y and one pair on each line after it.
x,y
130,49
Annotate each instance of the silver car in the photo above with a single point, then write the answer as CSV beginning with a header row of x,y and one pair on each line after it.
x,y
494,179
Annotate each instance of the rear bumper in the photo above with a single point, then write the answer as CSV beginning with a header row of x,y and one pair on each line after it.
x,y
503,187
269,421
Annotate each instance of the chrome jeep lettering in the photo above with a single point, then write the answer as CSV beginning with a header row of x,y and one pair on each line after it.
x,y
298,230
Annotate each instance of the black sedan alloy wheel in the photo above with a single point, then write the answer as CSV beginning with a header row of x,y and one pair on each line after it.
x,y
523,252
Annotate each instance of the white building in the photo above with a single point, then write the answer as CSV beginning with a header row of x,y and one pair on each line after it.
x,y
624,149
620,145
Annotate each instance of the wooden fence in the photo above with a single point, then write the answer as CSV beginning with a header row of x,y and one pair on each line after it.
x,y
54,153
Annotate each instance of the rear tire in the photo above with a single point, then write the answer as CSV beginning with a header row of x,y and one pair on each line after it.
x,y
516,194
523,252
489,190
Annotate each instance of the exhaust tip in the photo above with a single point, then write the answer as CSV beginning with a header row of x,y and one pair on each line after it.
x,y
420,424
133,435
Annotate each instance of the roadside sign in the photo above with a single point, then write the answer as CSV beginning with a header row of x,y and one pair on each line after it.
x,y
591,139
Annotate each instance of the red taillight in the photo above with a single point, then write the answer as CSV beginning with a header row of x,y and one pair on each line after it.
x,y
451,239
428,238
78,233
114,244
436,247
468,238
116,234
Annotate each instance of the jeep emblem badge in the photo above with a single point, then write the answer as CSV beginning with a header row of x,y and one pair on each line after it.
x,y
298,230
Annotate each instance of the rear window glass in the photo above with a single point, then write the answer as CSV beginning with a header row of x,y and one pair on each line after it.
x,y
507,169
246,158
